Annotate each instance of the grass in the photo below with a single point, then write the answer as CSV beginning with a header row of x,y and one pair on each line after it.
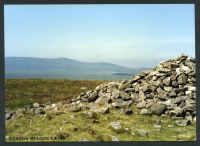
x,y
21,92
77,126
36,125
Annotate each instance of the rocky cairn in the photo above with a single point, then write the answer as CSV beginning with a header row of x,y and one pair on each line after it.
x,y
167,90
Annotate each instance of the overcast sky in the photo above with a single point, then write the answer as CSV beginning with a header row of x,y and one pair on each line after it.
x,y
129,35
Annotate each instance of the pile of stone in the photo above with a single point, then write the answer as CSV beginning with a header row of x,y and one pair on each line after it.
x,y
168,90
36,108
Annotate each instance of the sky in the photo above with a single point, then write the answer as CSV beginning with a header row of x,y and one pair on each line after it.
x,y
129,35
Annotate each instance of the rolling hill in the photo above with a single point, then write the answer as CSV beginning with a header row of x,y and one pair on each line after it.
x,y
28,67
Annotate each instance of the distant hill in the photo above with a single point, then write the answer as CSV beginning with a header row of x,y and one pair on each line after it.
x,y
27,67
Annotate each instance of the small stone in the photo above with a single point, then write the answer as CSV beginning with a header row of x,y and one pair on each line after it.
x,y
127,85
47,107
36,105
182,123
182,104
170,126
84,139
8,116
92,115
176,112
39,111
179,99
145,88
128,111
84,99
75,109
144,111
185,69
129,90
158,108
172,93
114,138
192,88
125,96
133,96
167,88
188,92
117,104
88,92
157,126
175,65
190,105
194,119
92,97
179,90
182,79
104,110
163,70
142,132
163,97
178,71
168,102
167,81
190,118
174,84
127,103
159,90
116,126
141,95
102,100
141,104
133,133
136,78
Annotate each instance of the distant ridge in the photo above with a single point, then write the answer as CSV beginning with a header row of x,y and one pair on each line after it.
x,y
30,67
